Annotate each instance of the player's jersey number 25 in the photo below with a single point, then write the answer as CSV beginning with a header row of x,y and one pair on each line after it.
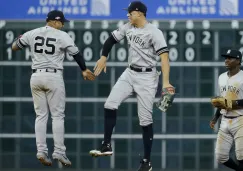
x,y
44,45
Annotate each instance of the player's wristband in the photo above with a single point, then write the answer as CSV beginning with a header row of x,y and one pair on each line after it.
x,y
108,46
239,102
80,60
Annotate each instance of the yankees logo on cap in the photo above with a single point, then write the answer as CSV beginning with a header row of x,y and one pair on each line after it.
x,y
137,6
233,53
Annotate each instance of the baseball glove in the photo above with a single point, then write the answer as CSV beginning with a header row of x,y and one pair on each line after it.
x,y
166,100
221,103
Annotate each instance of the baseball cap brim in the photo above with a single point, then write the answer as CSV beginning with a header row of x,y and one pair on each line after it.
x,y
225,56
65,20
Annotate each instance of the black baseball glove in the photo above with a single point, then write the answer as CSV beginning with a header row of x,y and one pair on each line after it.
x,y
166,100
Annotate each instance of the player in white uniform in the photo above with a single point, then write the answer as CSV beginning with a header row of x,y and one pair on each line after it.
x,y
146,42
48,46
231,127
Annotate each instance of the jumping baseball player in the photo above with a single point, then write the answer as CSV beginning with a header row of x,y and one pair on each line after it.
x,y
230,105
48,46
145,42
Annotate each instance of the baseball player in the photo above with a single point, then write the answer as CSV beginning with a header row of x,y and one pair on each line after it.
x,y
230,105
145,42
48,46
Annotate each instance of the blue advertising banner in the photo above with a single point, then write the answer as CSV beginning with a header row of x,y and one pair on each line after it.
x,y
112,9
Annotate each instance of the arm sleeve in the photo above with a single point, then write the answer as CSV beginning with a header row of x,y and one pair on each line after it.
x,y
217,115
108,46
80,60
23,41
68,44
239,102
120,33
158,42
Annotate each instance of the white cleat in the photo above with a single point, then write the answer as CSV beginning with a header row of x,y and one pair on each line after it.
x,y
104,150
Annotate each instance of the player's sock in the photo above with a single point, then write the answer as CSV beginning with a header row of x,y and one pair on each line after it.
x,y
231,164
110,122
147,141
240,165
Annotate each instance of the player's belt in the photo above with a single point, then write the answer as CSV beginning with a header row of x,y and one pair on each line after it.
x,y
232,117
140,69
44,70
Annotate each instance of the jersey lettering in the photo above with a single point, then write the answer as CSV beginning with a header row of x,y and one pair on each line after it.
x,y
230,88
139,41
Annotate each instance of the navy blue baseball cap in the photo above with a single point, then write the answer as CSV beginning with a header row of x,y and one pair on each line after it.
x,y
233,53
137,6
56,15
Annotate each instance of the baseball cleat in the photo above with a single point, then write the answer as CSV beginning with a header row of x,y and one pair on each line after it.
x,y
62,158
44,158
104,150
145,166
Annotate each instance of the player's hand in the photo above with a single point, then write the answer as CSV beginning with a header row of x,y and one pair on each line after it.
x,y
100,65
88,75
212,124
170,88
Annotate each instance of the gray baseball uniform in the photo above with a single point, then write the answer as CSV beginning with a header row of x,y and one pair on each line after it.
x,y
48,46
145,44
231,129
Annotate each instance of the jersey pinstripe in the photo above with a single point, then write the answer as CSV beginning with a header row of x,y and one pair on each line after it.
x,y
145,44
48,47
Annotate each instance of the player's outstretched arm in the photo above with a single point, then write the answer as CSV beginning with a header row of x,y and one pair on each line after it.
x,y
15,46
165,67
168,91
215,118
87,74
101,63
